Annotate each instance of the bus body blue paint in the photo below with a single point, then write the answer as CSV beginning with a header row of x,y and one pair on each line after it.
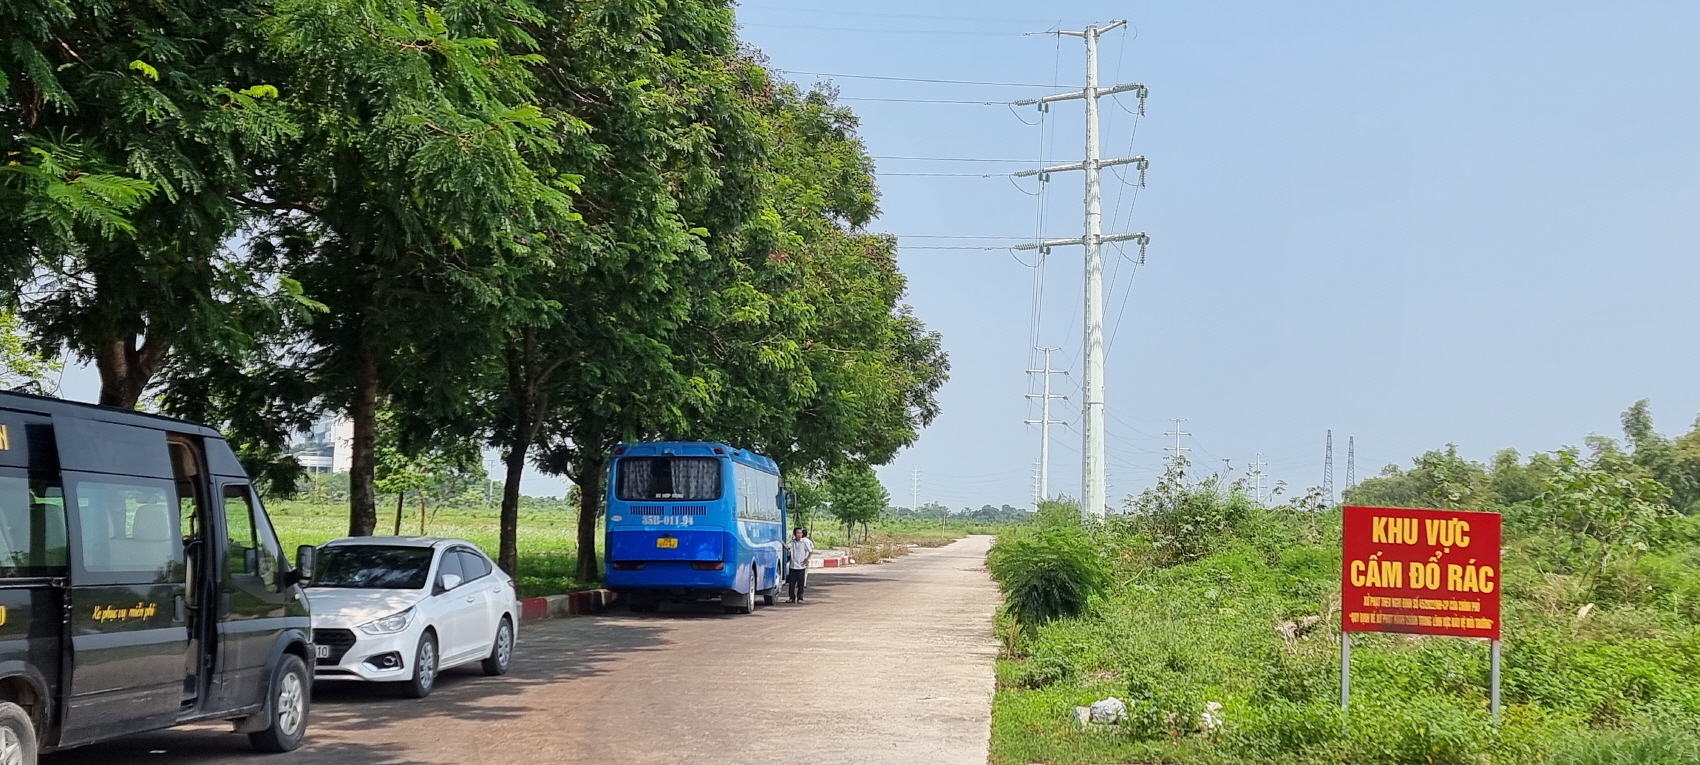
x,y
677,508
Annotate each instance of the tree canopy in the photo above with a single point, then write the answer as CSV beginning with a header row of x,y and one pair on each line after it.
x,y
536,225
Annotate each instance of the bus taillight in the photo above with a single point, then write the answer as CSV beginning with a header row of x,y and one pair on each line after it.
x,y
708,565
627,565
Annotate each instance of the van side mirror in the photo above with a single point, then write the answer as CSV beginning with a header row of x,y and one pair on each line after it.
x,y
306,556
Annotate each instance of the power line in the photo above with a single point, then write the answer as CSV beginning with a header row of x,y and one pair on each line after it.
x,y
887,31
897,15
963,159
918,79
923,101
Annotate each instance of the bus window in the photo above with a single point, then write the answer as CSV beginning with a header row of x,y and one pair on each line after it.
x,y
758,493
32,526
667,478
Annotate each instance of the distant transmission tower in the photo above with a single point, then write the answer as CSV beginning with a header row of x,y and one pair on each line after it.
x,y
1328,470
915,490
1351,462
1177,449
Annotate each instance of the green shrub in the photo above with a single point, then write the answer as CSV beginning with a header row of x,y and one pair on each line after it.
x,y
1186,521
1045,670
1048,574
1280,729
1156,709
1655,747
1420,730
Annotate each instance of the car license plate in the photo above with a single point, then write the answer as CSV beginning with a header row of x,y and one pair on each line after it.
x,y
324,651
667,542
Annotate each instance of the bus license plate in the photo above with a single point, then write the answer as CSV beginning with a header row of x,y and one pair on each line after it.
x,y
667,542
324,651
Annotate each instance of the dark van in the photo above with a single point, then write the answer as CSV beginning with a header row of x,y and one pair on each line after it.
x,y
141,584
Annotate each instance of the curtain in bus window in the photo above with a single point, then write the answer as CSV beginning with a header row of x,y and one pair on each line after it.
x,y
669,478
32,526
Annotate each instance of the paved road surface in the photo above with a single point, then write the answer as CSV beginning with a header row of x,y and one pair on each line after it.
x,y
884,664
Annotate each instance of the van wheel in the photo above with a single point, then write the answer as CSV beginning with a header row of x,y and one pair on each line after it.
x,y
289,702
501,654
17,736
424,668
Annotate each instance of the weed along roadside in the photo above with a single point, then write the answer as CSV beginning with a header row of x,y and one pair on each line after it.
x,y
1204,628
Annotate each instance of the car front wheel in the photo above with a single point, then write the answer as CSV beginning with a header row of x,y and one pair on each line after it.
x,y
424,668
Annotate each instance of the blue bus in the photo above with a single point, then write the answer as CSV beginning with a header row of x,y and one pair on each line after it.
x,y
692,520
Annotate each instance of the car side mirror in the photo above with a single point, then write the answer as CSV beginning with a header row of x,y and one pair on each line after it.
x,y
448,581
306,556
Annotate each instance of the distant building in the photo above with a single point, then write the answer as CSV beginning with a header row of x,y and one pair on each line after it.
x,y
327,447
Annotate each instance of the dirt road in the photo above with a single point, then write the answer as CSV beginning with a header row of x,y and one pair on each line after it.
x,y
884,664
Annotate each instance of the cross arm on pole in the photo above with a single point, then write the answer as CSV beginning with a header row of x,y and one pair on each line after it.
x,y
1139,160
1073,94
1139,237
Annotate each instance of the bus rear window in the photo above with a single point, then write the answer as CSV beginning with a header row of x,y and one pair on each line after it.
x,y
644,479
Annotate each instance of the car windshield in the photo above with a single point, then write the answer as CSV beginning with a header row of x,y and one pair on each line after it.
x,y
372,567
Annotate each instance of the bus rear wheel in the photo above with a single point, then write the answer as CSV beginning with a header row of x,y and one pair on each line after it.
x,y
741,602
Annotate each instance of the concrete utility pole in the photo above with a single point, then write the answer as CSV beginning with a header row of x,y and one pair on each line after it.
x,y
1257,475
1094,481
1177,448
1045,422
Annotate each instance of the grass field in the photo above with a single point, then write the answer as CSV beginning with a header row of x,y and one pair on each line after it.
x,y
546,537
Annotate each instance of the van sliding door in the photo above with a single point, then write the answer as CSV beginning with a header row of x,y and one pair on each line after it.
x,y
129,628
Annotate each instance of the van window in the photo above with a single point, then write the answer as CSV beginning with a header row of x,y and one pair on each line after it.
x,y
253,548
32,525
128,528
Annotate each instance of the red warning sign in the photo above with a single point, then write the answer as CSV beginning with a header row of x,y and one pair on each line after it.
x,y
1433,572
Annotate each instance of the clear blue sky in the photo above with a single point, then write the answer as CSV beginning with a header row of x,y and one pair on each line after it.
x,y
1411,223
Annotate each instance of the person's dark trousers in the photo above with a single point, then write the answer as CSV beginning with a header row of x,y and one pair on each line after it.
x,y
794,583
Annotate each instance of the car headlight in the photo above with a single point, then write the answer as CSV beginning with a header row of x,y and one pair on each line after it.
x,y
388,625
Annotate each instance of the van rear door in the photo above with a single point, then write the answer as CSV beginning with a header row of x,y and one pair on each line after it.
x,y
129,626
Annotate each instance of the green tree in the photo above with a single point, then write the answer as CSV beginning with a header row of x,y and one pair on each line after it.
x,y
1608,504
21,368
1676,464
1440,478
855,495
126,129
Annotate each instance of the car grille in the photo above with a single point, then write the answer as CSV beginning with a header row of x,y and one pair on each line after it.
x,y
339,640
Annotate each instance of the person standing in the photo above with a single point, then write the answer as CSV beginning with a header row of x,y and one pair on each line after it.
x,y
801,548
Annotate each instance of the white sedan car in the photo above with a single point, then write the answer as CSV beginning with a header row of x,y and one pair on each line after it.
x,y
402,609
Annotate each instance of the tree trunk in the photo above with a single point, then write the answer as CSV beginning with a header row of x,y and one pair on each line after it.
x,y
421,511
589,480
508,558
362,493
400,498
526,403
125,369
